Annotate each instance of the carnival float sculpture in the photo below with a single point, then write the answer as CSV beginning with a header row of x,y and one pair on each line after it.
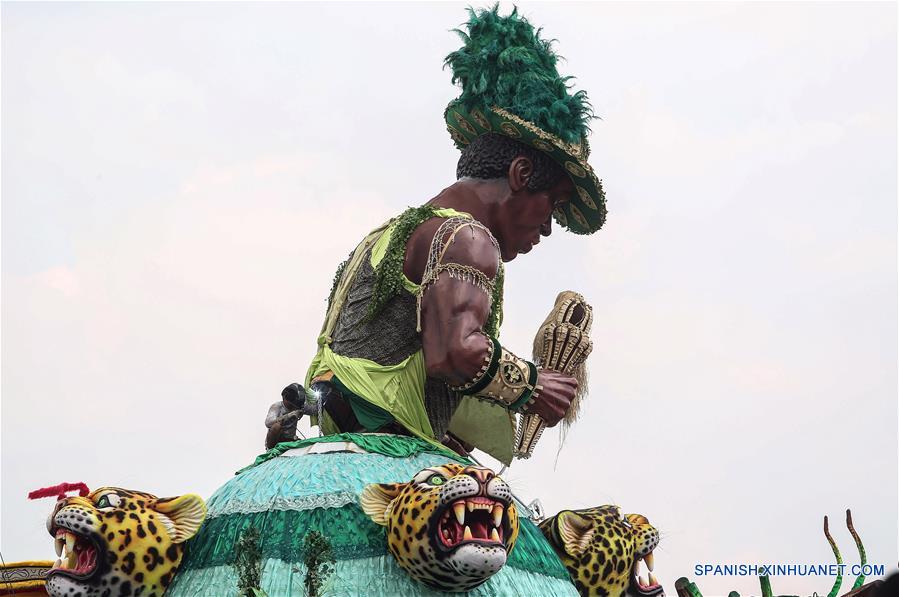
x,y
347,487
409,378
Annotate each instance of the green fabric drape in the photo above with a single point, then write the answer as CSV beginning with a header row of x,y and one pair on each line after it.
x,y
377,575
399,389
350,531
395,446
371,417
474,418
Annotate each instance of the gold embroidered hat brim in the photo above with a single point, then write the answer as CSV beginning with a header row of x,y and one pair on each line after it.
x,y
585,213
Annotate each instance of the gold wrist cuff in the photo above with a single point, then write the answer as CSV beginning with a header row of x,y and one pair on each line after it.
x,y
514,383
504,378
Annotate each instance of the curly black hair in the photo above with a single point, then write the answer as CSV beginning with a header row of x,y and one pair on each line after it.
x,y
489,156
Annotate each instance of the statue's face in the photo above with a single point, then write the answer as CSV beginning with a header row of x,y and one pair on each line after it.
x,y
528,216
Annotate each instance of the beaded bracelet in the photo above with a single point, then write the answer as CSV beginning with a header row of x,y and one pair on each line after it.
x,y
486,372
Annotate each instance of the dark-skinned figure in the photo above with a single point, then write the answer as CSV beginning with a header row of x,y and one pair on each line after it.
x,y
282,417
410,340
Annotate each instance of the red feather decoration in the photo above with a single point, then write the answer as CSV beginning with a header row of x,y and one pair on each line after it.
x,y
59,491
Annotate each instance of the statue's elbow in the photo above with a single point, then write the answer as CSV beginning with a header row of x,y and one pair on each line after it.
x,y
453,365
438,365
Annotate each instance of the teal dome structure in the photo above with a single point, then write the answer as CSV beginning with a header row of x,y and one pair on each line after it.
x,y
314,485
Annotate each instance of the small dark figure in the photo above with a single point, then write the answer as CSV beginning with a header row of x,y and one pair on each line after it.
x,y
282,416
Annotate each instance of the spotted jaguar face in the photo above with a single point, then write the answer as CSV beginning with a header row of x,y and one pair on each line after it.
x,y
451,527
116,542
602,550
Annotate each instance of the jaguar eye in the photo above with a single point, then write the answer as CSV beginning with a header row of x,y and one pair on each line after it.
x,y
436,480
109,500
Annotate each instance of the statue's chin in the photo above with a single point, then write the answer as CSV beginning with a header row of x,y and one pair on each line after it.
x,y
473,560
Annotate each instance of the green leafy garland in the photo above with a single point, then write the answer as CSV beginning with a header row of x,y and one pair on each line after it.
x,y
389,272
248,563
319,560
337,276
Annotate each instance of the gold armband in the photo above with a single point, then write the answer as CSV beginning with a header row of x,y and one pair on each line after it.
x,y
504,378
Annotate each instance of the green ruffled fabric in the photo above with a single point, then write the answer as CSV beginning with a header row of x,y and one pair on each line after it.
x,y
395,446
298,482
351,532
378,575
534,553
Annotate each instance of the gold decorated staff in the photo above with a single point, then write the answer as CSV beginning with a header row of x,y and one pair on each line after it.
x,y
562,344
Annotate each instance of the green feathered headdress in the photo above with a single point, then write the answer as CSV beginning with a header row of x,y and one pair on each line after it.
x,y
510,86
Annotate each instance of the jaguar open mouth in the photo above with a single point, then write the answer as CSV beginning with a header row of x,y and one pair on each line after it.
x,y
475,519
648,586
77,554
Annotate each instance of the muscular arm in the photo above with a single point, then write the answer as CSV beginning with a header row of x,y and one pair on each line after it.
x,y
454,311
453,314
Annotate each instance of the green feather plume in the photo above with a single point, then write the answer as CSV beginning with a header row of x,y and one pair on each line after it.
x,y
505,63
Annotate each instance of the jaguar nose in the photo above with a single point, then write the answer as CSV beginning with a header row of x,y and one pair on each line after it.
x,y
52,515
481,475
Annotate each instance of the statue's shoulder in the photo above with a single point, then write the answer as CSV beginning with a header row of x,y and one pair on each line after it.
x,y
469,243
461,240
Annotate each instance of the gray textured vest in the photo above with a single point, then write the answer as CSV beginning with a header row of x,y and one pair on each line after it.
x,y
387,339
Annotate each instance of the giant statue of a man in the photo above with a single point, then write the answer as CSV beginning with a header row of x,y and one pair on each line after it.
x,y
410,341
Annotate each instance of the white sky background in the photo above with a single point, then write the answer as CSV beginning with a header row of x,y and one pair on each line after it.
x,y
180,182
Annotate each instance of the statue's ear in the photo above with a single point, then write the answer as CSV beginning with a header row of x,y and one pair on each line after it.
x,y
575,531
182,516
377,499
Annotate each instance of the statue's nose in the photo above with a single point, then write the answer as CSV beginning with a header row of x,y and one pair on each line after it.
x,y
547,228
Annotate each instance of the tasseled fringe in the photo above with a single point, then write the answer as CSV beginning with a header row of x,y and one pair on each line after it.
x,y
580,374
418,310
456,271
478,279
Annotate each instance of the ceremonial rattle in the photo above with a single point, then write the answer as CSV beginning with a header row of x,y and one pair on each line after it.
x,y
562,344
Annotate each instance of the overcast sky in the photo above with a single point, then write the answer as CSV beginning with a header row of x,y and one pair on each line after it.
x,y
179,182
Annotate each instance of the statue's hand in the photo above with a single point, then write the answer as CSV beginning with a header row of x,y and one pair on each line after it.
x,y
553,401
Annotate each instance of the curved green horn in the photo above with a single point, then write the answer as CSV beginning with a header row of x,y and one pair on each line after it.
x,y
861,550
836,552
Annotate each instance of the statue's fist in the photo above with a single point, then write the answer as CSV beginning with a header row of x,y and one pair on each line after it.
x,y
554,399
295,395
